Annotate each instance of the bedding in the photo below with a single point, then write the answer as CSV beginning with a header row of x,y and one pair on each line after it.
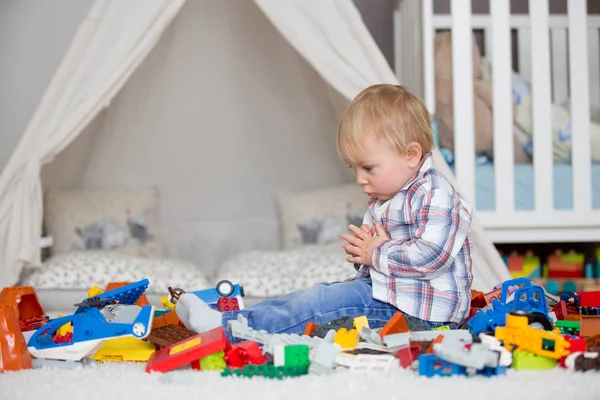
x,y
265,274
485,196
80,271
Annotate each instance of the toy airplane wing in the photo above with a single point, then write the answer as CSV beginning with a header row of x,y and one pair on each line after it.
x,y
90,328
128,294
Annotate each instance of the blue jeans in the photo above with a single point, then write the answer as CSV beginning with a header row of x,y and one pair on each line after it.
x,y
321,304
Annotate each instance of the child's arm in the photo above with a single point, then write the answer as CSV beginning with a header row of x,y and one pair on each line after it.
x,y
441,224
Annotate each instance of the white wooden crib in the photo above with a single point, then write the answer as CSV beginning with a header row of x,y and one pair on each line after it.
x,y
559,55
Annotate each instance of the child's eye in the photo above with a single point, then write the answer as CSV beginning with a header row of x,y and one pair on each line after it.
x,y
368,168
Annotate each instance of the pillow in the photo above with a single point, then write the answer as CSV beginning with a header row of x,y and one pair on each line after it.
x,y
123,220
83,270
274,273
319,216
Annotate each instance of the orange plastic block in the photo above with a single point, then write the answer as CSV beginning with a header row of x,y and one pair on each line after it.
x,y
494,294
24,300
395,325
589,326
14,355
142,301
429,348
477,299
168,318
310,328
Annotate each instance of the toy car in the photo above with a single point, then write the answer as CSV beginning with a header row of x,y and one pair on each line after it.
x,y
210,296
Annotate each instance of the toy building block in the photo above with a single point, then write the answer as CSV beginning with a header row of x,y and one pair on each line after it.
x,y
397,340
225,304
25,301
166,335
477,299
407,356
142,301
244,353
360,323
125,349
366,362
336,324
213,362
66,328
347,339
397,324
14,355
524,360
324,357
589,299
518,334
462,335
168,318
589,325
494,294
266,371
588,361
94,291
291,356
310,328
371,336
188,351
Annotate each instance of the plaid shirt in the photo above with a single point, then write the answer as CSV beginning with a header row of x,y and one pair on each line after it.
x,y
425,268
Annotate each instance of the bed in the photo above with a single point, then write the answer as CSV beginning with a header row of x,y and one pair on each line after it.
x,y
555,199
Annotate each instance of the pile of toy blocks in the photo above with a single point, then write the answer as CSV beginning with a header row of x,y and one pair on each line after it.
x,y
517,325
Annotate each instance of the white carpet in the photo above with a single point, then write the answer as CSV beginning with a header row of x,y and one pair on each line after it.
x,y
129,381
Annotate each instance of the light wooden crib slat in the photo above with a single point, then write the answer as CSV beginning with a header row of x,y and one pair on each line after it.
x,y
464,127
594,66
580,107
524,44
503,113
560,87
542,124
428,55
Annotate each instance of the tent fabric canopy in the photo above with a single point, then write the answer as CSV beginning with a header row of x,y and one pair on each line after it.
x,y
114,40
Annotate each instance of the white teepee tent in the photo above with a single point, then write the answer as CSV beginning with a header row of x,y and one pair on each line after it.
x,y
175,92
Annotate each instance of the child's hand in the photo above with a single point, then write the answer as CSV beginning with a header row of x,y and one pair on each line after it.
x,y
360,246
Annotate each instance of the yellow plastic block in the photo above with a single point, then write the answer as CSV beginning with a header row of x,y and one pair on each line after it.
x,y
63,330
347,339
95,291
360,323
125,349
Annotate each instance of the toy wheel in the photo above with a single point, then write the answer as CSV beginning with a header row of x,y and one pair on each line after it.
x,y
225,288
539,321
139,329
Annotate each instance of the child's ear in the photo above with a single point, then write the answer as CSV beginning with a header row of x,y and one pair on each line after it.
x,y
413,154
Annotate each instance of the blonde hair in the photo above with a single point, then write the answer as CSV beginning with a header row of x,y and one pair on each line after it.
x,y
391,112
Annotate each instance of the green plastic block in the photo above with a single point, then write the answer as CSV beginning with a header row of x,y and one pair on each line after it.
x,y
266,371
576,258
296,356
213,362
526,360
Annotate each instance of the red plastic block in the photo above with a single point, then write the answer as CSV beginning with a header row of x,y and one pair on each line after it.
x,y
188,351
589,299
244,353
227,304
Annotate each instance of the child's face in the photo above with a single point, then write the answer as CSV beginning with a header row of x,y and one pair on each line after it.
x,y
380,170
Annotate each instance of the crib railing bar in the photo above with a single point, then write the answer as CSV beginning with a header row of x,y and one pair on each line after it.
x,y
524,44
481,21
428,55
464,126
594,66
503,113
560,88
489,44
580,106
541,108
